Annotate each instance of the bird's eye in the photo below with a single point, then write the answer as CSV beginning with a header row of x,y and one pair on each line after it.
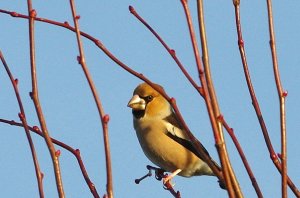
x,y
149,98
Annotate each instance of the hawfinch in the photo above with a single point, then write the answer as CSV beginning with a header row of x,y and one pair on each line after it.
x,y
162,136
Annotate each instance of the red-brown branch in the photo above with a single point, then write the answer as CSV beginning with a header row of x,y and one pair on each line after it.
x,y
172,52
242,155
103,117
255,102
281,95
34,95
75,152
23,119
210,109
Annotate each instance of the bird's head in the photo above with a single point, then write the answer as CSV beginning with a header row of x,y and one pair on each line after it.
x,y
146,101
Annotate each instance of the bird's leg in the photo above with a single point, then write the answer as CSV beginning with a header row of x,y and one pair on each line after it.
x,y
169,177
159,174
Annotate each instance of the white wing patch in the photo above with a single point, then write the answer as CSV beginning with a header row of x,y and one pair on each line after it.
x,y
175,131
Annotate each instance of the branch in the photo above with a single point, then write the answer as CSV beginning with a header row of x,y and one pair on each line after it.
x,y
34,95
219,140
22,116
103,117
171,51
213,96
281,95
242,155
75,152
255,102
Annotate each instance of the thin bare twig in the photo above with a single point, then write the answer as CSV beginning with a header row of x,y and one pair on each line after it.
x,y
171,51
75,152
255,102
22,116
34,95
209,105
281,95
103,117
213,96
243,157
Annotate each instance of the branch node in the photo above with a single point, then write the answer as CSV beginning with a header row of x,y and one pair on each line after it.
x,y
201,91
77,151
132,10
77,17
14,14
79,60
285,93
273,157
21,116
236,2
279,155
220,118
16,81
36,128
173,52
97,42
57,153
241,42
33,13
31,95
66,23
106,118
173,101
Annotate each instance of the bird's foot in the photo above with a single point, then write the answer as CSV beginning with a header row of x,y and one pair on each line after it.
x,y
159,174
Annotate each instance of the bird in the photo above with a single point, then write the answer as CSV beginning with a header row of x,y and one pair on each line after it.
x,y
162,137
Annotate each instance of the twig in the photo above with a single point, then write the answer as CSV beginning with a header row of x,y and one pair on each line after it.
x,y
103,117
281,95
171,51
243,157
255,102
34,95
218,140
213,96
22,116
75,152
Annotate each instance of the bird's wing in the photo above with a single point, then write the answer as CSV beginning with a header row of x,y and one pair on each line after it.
x,y
175,132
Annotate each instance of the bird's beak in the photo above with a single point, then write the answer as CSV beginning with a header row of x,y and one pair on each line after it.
x,y
137,103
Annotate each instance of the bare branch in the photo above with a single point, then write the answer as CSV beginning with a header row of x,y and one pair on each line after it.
x,y
281,95
242,155
34,95
75,152
22,116
103,117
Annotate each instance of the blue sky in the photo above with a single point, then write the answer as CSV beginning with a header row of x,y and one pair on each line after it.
x,y
71,114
